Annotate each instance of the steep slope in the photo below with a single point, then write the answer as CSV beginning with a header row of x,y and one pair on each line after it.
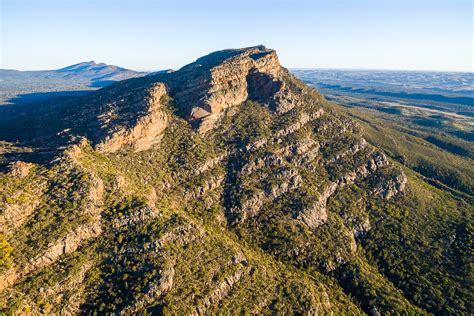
x,y
226,186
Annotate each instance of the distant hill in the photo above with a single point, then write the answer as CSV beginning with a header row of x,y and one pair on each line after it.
x,y
90,72
31,86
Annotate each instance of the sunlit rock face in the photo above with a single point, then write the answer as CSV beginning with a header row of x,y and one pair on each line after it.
x,y
213,83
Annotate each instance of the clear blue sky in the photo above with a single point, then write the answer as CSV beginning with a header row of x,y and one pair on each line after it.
x,y
152,35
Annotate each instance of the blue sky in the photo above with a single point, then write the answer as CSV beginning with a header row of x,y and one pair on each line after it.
x,y
152,35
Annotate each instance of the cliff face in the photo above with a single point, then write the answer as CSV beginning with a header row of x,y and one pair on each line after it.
x,y
225,186
203,89
145,132
222,80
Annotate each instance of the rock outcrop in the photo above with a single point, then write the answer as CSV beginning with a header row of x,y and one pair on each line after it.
x,y
285,182
20,169
147,129
222,289
15,215
221,81
304,119
388,188
66,245
143,214
317,214
8,278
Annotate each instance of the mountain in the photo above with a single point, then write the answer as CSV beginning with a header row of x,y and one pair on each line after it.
x,y
90,72
33,86
227,186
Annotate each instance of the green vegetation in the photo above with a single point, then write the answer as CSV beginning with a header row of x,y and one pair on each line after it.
x,y
442,158
5,254
217,223
425,237
62,209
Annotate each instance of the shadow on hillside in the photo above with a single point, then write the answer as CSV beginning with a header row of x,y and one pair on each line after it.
x,y
45,96
101,83
32,132
464,100
37,156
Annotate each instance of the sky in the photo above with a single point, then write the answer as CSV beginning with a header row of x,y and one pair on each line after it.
x,y
162,34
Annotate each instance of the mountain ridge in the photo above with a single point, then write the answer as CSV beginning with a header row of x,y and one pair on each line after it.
x,y
83,66
37,86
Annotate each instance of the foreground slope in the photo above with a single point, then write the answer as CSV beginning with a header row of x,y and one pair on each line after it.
x,y
226,186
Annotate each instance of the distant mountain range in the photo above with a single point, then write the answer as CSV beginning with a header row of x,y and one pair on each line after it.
x,y
31,86
90,72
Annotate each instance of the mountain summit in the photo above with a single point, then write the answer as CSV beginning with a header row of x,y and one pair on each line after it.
x,y
226,78
227,186
96,72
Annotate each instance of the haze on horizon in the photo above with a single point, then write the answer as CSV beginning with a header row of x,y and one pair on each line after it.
x,y
151,35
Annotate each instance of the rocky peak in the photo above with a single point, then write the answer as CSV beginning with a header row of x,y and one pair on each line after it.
x,y
80,66
206,87
216,58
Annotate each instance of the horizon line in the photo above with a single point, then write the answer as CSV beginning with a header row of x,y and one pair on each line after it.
x,y
380,69
290,68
